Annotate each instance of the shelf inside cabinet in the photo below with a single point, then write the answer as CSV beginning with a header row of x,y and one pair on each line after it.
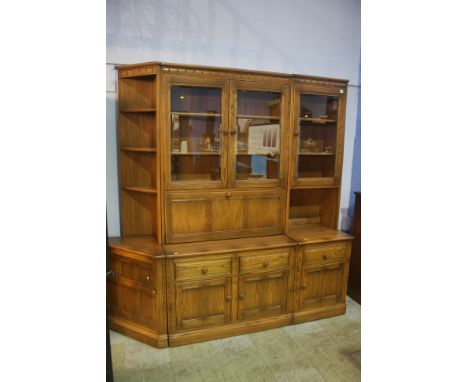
x,y
247,116
146,190
320,154
196,153
139,149
139,110
189,114
317,120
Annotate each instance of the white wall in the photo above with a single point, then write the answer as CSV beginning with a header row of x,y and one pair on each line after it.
x,y
314,37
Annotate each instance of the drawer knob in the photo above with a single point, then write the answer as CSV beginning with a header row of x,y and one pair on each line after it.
x,y
153,292
296,132
147,277
204,270
266,263
232,132
228,298
304,286
324,257
241,296
228,194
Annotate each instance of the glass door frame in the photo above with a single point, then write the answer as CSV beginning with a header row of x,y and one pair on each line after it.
x,y
260,86
307,89
165,107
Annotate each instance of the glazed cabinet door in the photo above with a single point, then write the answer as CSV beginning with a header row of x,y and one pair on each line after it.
x,y
195,122
321,285
203,303
258,130
317,139
262,294
195,216
131,292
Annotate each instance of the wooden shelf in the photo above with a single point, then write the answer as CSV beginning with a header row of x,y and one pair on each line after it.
x,y
196,114
317,120
263,154
139,110
247,116
139,149
146,190
323,154
305,220
197,153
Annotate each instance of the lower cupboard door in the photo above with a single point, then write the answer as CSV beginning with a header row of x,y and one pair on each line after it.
x,y
203,303
321,286
262,294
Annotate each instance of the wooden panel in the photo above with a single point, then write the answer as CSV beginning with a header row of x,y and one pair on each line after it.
x,y
228,214
203,303
264,211
262,295
189,269
137,93
137,130
320,204
218,214
264,260
321,286
190,215
138,213
138,169
327,252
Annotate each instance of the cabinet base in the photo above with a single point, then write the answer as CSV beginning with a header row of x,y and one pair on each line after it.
x,y
316,314
229,330
138,332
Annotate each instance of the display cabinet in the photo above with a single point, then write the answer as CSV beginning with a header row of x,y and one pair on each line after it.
x,y
229,197
318,132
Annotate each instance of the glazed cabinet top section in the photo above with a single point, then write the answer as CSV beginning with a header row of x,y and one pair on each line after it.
x,y
229,128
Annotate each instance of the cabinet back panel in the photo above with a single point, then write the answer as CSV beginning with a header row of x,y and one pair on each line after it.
x,y
137,130
138,213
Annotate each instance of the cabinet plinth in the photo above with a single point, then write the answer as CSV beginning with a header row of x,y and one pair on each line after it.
x,y
229,198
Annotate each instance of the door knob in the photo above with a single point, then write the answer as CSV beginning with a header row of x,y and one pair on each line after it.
x,y
153,292
324,257
228,298
296,132
266,264
204,270
241,296
232,132
228,194
304,286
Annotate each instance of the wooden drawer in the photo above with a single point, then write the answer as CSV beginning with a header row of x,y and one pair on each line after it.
x,y
264,261
196,269
326,252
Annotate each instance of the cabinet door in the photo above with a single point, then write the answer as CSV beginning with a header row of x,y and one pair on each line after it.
x,y
131,292
258,131
192,216
262,294
203,303
321,285
195,123
317,141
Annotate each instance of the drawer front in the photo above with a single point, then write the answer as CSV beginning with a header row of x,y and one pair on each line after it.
x,y
196,269
264,261
326,252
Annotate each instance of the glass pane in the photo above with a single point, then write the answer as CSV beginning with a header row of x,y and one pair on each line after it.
x,y
195,134
317,136
192,99
258,135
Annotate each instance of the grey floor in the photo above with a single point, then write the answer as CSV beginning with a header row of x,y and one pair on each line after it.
x,y
323,350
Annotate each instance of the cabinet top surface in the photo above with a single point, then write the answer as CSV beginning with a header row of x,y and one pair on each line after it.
x,y
228,246
145,245
316,233
168,65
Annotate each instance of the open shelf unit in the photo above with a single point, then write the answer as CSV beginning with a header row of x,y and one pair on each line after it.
x,y
138,160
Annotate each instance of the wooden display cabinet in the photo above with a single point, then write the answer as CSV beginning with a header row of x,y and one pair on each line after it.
x,y
229,197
